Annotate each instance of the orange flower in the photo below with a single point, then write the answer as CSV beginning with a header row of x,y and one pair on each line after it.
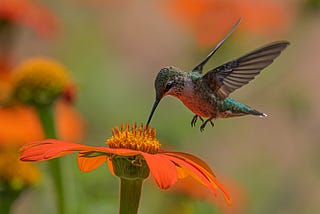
x,y
209,20
20,123
139,146
29,13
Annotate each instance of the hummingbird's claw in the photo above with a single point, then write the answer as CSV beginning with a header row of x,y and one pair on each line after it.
x,y
205,123
202,127
194,120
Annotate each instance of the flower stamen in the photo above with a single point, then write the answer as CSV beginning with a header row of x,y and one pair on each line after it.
x,y
40,81
142,138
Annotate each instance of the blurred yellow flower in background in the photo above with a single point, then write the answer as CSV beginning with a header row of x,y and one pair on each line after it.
x,y
19,123
15,176
42,91
40,81
37,81
14,173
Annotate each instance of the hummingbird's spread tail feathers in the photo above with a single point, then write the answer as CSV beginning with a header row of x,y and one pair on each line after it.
x,y
232,108
257,113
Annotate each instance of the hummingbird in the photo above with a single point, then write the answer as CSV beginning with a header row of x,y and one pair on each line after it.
x,y
207,95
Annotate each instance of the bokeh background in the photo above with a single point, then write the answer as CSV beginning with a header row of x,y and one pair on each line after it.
x,y
114,49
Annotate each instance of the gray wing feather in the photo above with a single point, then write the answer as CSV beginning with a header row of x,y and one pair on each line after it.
x,y
199,67
232,75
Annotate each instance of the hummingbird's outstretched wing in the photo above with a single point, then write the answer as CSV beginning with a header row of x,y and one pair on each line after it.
x,y
199,67
226,78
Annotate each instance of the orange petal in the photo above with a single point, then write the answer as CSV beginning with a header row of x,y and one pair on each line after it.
x,y
122,152
51,148
182,173
202,166
87,164
110,166
199,164
192,188
186,156
105,150
201,174
162,169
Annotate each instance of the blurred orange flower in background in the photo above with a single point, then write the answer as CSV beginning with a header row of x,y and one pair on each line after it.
x,y
70,124
36,79
209,20
29,13
20,123
12,14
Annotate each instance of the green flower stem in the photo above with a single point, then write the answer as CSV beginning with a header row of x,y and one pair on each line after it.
x,y
131,171
7,198
46,115
130,192
5,207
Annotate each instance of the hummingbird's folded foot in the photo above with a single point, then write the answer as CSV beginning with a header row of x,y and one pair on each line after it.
x,y
205,123
194,120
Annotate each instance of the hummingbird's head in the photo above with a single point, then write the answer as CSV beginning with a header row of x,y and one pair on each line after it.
x,y
165,81
164,85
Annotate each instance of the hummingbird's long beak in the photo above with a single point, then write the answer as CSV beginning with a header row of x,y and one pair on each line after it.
x,y
155,104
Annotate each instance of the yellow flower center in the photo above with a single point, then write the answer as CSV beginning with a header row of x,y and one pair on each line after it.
x,y
15,173
40,81
140,138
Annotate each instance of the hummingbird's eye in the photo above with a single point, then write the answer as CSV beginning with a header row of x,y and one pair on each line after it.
x,y
168,86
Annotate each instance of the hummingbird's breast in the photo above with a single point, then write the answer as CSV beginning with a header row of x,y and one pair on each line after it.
x,y
197,98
